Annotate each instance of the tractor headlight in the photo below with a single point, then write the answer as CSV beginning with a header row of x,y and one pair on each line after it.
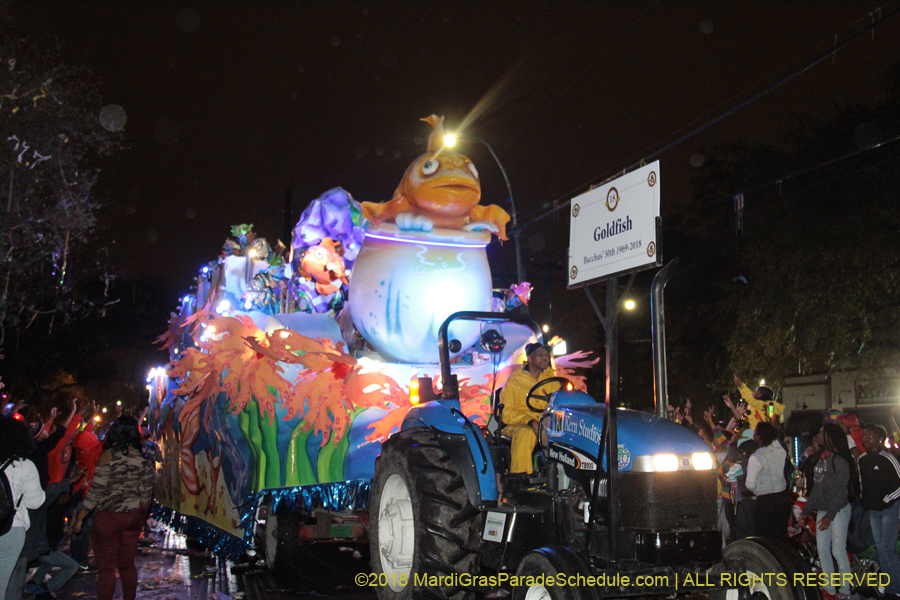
x,y
665,462
702,461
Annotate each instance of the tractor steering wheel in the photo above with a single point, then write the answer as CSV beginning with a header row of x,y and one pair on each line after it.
x,y
531,393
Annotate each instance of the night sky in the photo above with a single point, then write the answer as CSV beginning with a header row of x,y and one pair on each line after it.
x,y
229,103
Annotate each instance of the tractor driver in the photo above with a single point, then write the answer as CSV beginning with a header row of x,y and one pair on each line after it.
x,y
521,422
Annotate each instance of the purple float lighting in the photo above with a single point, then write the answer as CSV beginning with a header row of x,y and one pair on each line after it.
x,y
420,242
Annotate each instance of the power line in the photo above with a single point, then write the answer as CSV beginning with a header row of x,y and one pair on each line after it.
x,y
837,47
827,163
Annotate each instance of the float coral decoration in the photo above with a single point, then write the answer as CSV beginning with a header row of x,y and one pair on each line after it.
x,y
176,328
232,348
332,387
382,428
566,365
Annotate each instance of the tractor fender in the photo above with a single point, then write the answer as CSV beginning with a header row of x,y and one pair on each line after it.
x,y
464,442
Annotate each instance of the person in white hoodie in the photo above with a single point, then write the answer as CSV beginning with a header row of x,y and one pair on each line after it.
x,y
765,478
16,444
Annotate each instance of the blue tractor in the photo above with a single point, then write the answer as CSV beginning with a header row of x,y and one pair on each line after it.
x,y
645,525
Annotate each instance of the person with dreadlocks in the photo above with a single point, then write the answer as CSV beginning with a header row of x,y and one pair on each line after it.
x,y
836,484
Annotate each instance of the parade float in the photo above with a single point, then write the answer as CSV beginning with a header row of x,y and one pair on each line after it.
x,y
289,366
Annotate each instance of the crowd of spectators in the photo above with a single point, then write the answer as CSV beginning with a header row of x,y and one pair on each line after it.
x,y
74,487
848,479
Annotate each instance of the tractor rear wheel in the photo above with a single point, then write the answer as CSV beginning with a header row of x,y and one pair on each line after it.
x,y
422,526
763,558
552,562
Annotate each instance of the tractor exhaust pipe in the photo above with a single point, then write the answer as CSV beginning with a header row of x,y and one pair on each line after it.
x,y
658,316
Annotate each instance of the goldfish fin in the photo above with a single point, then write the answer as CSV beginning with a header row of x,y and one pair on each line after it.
x,y
386,211
436,139
492,214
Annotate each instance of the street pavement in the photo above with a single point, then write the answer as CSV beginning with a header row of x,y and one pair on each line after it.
x,y
169,570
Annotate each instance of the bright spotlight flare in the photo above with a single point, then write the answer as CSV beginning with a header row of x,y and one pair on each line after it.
x,y
450,140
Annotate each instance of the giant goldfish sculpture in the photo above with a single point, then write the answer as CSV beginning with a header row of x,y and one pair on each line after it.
x,y
424,257
439,189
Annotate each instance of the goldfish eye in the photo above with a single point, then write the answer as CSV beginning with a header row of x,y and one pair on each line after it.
x,y
430,166
472,170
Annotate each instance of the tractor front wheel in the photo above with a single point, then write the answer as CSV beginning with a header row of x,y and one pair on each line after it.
x,y
423,531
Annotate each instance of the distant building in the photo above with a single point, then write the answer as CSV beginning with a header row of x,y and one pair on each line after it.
x,y
873,394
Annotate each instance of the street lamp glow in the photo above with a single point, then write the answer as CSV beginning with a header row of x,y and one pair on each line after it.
x,y
545,328
450,140
629,305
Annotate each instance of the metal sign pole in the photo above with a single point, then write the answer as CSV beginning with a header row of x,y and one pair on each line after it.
x,y
612,402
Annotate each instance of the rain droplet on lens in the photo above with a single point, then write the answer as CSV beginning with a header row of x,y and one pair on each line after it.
x,y
166,131
190,213
418,140
396,154
537,242
130,209
151,235
188,20
697,160
113,117
301,69
335,41
706,26
388,60
359,152
379,151
446,18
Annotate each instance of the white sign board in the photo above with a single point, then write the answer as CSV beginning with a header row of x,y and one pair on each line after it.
x,y
613,227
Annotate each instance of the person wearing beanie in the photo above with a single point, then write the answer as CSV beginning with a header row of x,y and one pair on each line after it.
x,y
520,422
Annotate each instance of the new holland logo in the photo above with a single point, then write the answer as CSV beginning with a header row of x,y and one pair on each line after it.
x,y
570,457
